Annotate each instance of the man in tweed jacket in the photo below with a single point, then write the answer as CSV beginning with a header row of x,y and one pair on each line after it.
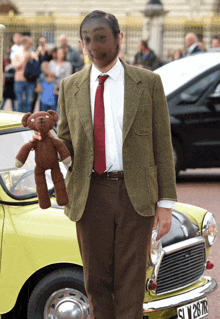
x,y
116,211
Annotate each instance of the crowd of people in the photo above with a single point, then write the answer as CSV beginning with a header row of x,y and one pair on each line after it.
x,y
31,74
61,61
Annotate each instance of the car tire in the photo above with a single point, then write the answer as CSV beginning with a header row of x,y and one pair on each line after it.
x,y
178,155
59,294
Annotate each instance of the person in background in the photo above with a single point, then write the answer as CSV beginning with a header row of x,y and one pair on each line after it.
x,y
23,89
191,42
72,55
177,55
61,68
44,72
42,50
17,47
48,89
215,42
42,55
202,46
8,84
53,53
146,58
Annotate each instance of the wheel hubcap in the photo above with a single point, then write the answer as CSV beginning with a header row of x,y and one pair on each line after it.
x,y
67,303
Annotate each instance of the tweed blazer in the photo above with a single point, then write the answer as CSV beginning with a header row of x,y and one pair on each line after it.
x,y
148,164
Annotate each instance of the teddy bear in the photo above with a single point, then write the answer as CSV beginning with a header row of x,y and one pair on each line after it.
x,y
46,156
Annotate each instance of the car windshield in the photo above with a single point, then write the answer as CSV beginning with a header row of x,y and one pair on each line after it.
x,y
179,72
20,182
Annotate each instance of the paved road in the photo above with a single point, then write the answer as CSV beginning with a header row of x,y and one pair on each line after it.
x,y
202,188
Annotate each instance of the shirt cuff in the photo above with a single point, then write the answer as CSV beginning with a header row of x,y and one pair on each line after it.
x,y
166,204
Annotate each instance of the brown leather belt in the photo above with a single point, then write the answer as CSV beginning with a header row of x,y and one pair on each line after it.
x,y
112,176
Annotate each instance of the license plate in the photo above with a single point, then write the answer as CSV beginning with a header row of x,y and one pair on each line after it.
x,y
195,310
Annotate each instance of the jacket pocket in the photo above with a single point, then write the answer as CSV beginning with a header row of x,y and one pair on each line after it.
x,y
143,120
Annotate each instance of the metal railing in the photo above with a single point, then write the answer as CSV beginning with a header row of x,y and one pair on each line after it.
x,y
174,30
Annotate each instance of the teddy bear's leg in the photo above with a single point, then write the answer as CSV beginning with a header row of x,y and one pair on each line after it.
x,y
41,186
59,185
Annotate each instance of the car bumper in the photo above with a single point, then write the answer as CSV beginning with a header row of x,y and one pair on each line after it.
x,y
182,299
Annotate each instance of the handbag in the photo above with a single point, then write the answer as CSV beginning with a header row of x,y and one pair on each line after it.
x,y
32,70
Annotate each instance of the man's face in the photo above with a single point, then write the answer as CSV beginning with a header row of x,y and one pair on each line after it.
x,y
99,43
42,42
215,43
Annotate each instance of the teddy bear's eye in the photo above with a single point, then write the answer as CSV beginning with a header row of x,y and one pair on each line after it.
x,y
47,116
32,120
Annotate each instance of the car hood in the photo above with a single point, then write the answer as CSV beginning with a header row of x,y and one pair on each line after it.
x,y
182,228
10,119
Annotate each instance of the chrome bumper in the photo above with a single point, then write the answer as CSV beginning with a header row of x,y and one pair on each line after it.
x,y
182,299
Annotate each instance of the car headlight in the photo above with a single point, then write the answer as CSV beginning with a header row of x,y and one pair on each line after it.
x,y
209,229
156,248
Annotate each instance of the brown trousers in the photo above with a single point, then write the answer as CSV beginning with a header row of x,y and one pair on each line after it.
x,y
114,243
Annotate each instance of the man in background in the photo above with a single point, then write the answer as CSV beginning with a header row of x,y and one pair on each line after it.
x,y
146,58
72,55
215,42
42,50
192,45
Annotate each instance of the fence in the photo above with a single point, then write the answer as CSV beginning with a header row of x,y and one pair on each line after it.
x,y
53,26
174,30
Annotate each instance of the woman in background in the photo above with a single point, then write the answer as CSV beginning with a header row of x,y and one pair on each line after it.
x,y
61,68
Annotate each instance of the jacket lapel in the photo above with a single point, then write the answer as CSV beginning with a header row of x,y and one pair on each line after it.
x,y
133,92
82,94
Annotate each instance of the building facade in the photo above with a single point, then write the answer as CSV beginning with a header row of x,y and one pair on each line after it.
x,y
165,33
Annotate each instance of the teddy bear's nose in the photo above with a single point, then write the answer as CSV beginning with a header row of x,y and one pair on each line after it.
x,y
41,119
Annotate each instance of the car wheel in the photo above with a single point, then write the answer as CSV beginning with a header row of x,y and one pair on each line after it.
x,y
60,294
178,156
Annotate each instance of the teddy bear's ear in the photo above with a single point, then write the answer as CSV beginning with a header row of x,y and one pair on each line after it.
x,y
25,118
54,115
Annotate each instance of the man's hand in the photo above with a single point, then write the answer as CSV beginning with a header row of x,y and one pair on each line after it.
x,y
37,136
163,217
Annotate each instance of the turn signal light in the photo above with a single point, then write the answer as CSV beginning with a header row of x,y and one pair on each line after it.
x,y
209,265
151,285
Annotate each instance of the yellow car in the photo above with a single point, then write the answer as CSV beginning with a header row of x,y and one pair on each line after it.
x,y
41,273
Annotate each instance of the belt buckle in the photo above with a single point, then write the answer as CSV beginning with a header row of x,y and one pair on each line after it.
x,y
111,178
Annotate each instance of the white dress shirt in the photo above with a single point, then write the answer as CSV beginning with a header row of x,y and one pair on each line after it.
x,y
191,48
114,110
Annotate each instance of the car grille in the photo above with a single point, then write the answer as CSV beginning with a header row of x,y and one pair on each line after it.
x,y
181,268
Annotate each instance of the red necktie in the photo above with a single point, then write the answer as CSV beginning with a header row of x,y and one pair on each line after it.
x,y
99,128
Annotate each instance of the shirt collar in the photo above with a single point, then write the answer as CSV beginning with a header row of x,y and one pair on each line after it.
x,y
191,48
113,73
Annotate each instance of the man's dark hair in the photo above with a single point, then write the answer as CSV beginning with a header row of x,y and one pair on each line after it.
x,y
109,18
145,44
216,37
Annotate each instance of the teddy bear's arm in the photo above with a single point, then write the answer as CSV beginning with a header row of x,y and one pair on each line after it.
x,y
62,150
23,154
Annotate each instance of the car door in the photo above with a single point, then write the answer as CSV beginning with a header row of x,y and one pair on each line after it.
x,y
197,120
